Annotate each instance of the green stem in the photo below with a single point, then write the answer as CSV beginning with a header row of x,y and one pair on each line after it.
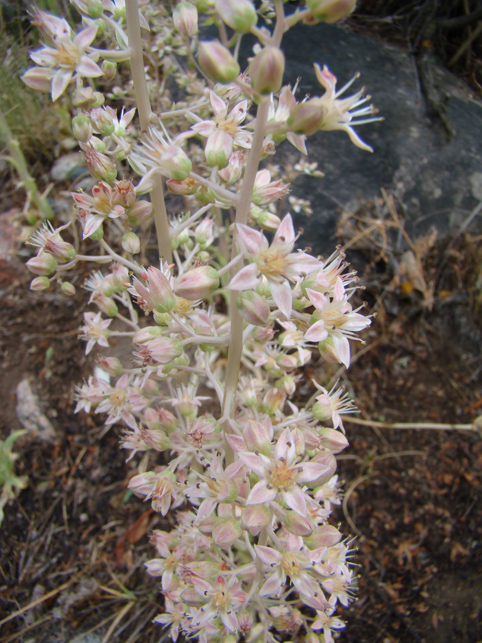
x,y
18,161
145,113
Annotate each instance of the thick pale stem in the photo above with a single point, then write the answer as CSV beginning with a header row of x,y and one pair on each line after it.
x,y
242,213
145,112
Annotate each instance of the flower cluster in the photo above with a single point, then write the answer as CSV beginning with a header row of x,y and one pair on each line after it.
x,y
223,327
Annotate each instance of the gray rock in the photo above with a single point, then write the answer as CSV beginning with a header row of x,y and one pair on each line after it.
x,y
30,414
438,180
68,167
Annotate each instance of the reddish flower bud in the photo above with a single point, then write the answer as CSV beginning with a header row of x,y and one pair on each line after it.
x,y
217,62
219,148
139,212
255,518
67,288
226,532
183,188
198,283
40,283
266,70
297,525
147,334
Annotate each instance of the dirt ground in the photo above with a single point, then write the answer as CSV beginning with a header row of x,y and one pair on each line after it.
x,y
74,542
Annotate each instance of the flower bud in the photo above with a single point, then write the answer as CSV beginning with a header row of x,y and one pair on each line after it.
x,y
109,69
330,11
102,121
110,365
217,62
324,536
333,440
175,164
219,148
255,518
105,304
234,170
297,525
39,79
99,165
226,532
198,283
253,308
329,462
185,18
322,409
97,234
266,70
264,218
141,211
67,288
43,264
131,243
82,128
87,98
147,334
40,283
258,436
240,15
161,350
183,188
306,117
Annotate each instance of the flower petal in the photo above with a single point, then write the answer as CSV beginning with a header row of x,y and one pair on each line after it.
x,y
246,279
283,297
261,494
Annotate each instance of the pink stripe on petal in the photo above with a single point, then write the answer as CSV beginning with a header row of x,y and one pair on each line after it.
x,y
282,296
246,279
254,241
268,555
317,332
295,499
261,494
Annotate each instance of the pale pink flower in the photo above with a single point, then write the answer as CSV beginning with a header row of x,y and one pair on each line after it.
x,y
332,405
276,262
335,320
343,114
67,57
95,331
95,209
292,559
229,123
281,473
223,600
278,116
121,401
266,191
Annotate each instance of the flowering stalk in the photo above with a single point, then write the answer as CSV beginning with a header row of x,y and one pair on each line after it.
x,y
248,477
145,113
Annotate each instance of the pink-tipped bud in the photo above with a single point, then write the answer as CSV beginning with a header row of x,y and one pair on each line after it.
x,y
307,117
67,288
264,218
322,409
219,148
147,334
131,243
40,283
333,440
266,70
109,70
287,383
43,264
330,11
226,532
99,165
110,365
185,18
105,304
168,420
139,212
198,283
87,98
240,15
255,518
297,525
183,188
274,401
161,350
324,536
253,308
329,467
217,62
102,121
175,164
82,128
39,79
234,170
258,436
